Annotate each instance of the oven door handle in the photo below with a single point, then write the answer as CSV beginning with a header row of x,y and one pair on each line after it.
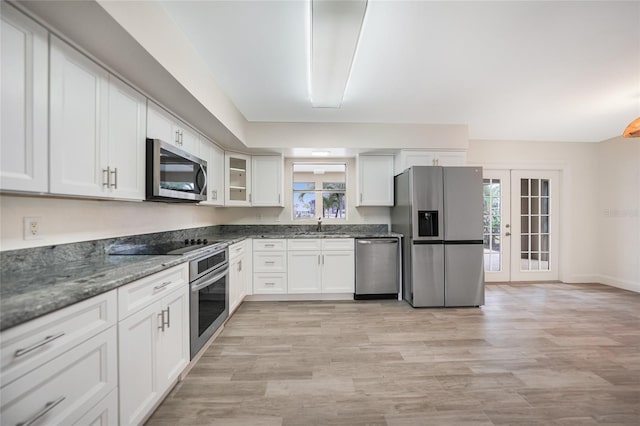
x,y
209,281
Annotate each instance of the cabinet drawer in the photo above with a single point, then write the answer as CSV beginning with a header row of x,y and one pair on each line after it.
x,y
337,244
36,342
236,250
270,262
104,413
264,283
66,386
304,244
138,294
269,245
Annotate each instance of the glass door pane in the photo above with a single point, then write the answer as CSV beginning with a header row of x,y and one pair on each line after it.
x,y
535,257
496,224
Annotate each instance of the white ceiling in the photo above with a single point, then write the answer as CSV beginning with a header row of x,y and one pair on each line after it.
x,y
535,70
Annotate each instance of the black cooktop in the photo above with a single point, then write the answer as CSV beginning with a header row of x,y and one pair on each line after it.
x,y
169,247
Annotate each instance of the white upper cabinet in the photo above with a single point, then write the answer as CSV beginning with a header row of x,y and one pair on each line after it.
x,y
407,158
164,126
237,179
98,128
126,144
24,79
214,157
375,180
78,120
267,184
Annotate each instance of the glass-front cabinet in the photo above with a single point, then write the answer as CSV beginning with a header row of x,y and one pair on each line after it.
x,y
238,179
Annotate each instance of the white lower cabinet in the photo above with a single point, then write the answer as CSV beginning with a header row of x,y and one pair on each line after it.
x,y
269,266
321,266
237,275
104,413
305,271
153,347
60,391
338,272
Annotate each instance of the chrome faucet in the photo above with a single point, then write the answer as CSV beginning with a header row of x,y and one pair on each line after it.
x,y
319,226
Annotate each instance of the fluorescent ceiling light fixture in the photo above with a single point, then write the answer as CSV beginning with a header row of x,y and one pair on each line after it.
x,y
320,153
335,32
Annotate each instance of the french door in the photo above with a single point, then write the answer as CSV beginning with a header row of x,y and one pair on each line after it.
x,y
521,228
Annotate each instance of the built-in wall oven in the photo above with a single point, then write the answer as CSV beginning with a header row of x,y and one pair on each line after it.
x,y
209,296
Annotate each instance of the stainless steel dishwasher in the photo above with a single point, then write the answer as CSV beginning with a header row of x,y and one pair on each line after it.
x,y
377,273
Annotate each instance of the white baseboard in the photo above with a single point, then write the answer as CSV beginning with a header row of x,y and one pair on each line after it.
x,y
582,278
623,284
296,297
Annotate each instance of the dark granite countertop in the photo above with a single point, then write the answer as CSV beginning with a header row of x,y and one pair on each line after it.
x,y
35,282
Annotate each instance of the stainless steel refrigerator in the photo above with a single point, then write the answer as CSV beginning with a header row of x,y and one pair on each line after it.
x,y
439,211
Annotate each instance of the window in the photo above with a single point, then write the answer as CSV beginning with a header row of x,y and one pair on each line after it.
x,y
319,190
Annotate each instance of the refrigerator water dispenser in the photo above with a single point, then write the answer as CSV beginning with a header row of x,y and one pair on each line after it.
x,y
427,223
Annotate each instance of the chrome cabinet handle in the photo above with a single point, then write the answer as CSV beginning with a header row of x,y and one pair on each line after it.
x,y
507,234
162,286
240,266
106,182
177,137
269,245
269,262
279,196
323,259
269,283
181,137
318,259
115,178
48,339
214,194
168,322
47,407
161,320
361,197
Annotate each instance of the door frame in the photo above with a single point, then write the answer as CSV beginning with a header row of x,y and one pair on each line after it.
x,y
561,168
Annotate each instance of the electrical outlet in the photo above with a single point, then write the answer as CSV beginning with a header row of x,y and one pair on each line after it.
x,y
32,228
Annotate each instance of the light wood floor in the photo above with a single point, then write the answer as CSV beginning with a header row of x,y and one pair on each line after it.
x,y
535,354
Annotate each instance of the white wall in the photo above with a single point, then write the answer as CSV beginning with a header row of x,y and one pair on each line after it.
x,y
357,135
149,25
73,220
284,215
578,164
618,212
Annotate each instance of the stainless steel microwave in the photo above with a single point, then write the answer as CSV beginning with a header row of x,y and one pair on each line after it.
x,y
174,175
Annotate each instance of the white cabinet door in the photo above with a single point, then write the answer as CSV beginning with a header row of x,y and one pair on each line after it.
x,y
126,142
173,343
189,139
78,122
164,126
237,179
267,184
375,180
138,342
338,272
24,80
235,282
304,272
452,158
161,125
214,157
216,177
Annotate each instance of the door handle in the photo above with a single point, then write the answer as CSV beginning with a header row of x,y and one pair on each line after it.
x,y
506,234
